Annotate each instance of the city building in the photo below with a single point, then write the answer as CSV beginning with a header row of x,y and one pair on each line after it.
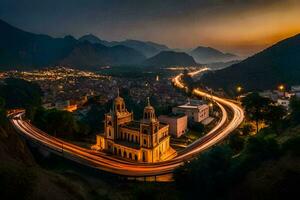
x,y
146,140
296,90
196,113
285,102
177,123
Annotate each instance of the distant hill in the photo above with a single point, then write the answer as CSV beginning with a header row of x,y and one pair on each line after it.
x,y
211,55
147,48
23,50
90,55
169,58
277,64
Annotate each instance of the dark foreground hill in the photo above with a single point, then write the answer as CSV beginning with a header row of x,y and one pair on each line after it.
x,y
277,64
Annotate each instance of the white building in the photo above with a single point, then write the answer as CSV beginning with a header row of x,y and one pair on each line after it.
x,y
283,102
195,113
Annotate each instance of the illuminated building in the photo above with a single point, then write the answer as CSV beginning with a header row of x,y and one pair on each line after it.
x,y
146,140
196,113
177,123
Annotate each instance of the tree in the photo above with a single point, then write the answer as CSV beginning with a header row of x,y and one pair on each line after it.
x,y
274,116
295,107
256,107
236,142
207,173
19,93
247,128
2,103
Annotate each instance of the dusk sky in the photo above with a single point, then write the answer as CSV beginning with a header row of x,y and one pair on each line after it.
x,y
238,26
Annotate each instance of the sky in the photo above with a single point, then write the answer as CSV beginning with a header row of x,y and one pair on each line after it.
x,y
243,27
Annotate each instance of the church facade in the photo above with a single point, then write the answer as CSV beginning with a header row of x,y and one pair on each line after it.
x,y
146,140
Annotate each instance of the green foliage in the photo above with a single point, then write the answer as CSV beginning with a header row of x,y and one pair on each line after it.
x,y
197,126
292,146
236,142
247,128
208,173
274,117
256,107
19,93
295,107
59,123
2,103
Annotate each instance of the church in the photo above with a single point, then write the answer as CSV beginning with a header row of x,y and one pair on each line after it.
x,y
146,140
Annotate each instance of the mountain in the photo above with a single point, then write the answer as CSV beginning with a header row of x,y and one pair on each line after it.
x,y
94,40
20,48
24,50
147,48
277,64
211,55
90,55
170,58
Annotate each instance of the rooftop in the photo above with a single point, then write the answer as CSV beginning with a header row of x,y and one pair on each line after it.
x,y
188,106
132,125
173,115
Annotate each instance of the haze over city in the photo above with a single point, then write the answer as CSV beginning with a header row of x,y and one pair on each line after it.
x,y
241,27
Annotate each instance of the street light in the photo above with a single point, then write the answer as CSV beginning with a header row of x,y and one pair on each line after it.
x,y
281,88
239,89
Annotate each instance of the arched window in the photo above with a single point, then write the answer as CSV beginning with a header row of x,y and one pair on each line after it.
x,y
132,138
145,131
125,154
115,151
130,155
120,153
136,139
135,157
109,123
145,141
118,107
109,132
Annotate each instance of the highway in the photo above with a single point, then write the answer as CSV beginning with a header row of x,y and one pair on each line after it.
x,y
111,164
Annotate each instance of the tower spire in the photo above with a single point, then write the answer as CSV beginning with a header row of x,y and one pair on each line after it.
x,y
148,101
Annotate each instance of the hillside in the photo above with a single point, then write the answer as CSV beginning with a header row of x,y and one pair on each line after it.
x,y
277,64
211,55
170,58
23,50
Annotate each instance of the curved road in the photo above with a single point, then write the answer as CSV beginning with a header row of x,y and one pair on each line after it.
x,y
122,167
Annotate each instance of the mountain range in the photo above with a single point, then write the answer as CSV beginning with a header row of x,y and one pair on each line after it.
x,y
24,50
149,49
21,49
278,64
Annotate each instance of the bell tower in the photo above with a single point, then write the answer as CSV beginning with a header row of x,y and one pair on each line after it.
x,y
119,104
149,126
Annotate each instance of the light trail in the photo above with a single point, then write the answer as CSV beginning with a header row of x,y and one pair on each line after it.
x,y
122,167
